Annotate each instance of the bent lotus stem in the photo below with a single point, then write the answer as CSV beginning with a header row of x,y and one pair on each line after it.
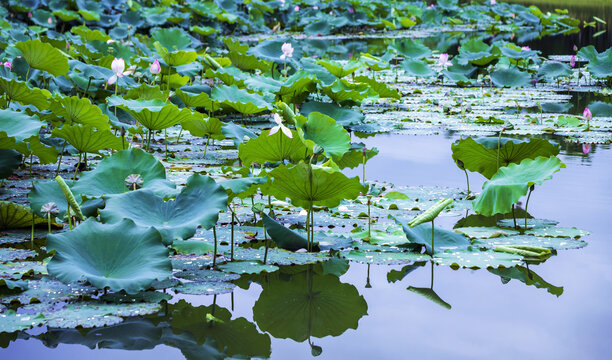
x,y
77,167
59,162
178,139
527,203
467,179
206,146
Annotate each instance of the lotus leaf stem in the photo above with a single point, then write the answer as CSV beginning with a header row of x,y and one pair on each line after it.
x,y
232,247
215,250
206,146
369,217
49,221
432,240
178,139
513,216
166,141
527,204
32,235
467,179
266,243
77,167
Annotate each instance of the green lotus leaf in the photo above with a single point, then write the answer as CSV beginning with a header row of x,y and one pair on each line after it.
x,y
147,92
601,65
410,48
280,257
477,52
242,187
9,162
247,267
203,30
13,216
198,203
600,108
342,116
272,148
67,15
235,337
539,241
11,321
204,127
485,232
240,134
385,257
512,182
418,68
443,239
199,99
284,237
305,305
240,59
482,156
323,131
297,87
354,157
229,75
373,62
477,259
342,90
82,111
154,114
553,70
383,90
431,295
204,288
339,70
381,237
33,146
399,275
44,192
43,56
109,176
558,232
264,84
19,91
17,127
459,78
93,314
240,99
89,15
510,77
528,277
172,38
329,187
120,256
175,58
88,140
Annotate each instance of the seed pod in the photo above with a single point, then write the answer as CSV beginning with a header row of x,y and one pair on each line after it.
x,y
70,197
431,213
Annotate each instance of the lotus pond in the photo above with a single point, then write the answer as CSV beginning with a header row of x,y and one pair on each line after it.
x,y
296,179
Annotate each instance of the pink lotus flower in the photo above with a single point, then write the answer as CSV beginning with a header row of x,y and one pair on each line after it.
x,y
118,67
30,14
67,45
155,67
110,41
525,48
575,48
50,20
587,114
287,51
586,148
315,7
351,10
296,8
493,2
573,61
443,60
7,65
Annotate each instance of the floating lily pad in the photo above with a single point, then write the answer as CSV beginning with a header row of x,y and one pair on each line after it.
x,y
485,232
10,254
90,315
477,259
247,267
385,258
206,275
556,243
10,321
558,232
205,288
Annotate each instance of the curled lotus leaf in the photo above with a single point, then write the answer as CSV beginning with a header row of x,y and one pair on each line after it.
x,y
19,91
13,216
512,182
198,203
240,100
204,127
325,132
82,111
86,139
43,56
443,239
120,256
272,148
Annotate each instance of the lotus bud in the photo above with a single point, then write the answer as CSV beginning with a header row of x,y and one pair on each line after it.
x,y
30,14
134,181
586,148
573,61
525,48
50,20
155,67
50,208
296,8
7,65
587,114
351,10
493,2
315,7
575,48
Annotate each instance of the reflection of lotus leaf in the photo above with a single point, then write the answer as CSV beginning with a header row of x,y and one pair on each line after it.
x,y
308,305
528,277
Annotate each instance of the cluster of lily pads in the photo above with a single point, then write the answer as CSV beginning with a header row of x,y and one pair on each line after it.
x,y
165,159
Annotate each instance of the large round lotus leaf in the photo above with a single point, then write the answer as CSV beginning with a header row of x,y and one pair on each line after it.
x,y
308,305
234,336
477,259
418,68
86,139
206,275
383,238
119,256
483,232
10,321
601,65
558,232
13,216
553,70
240,99
109,176
48,291
526,276
172,39
9,162
600,108
443,239
341,90
297,87
247,267
385,258
272,148
16,127
328,187
156,117
410,48
16,90
239,58
510,77
354,157
322,130
75,109
229,76
343,116
482,155
270,50
89,315
242,187
204,127
43,56
512,182
198,203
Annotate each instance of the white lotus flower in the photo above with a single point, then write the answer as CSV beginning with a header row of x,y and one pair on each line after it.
x,y
279,126
287,51
118,67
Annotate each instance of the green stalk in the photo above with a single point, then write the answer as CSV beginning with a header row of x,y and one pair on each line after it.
x,y
432,240
49,221
369,218
527,204
513,217
206,146
266,242
77,167
232,247
178,140
499,147
166,142
467,179
215,251
32,235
